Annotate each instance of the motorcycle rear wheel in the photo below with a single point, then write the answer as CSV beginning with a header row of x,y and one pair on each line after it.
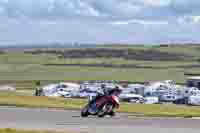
x,y
84,112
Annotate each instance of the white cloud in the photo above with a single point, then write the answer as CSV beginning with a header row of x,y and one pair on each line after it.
x,y
118,9
93,8
87,10
48,8
156,2
189,20
142,22
196,19
156,19
128,8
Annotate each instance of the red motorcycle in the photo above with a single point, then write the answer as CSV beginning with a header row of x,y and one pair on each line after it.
x,y
102,106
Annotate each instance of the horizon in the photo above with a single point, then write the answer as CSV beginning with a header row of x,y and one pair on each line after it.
x,y
91,45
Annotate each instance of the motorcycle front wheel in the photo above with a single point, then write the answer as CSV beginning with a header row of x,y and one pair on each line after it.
x,y
112,114
105,109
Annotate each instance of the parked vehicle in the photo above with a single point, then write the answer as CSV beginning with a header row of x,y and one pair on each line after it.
x,y
151,100
7,88
129,96
191,91
183,100
58,90
137,99
85,93
168,97
136,88
194,100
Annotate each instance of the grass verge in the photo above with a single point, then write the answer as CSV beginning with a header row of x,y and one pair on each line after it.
x,y
13,99
19,67
156,110
11,130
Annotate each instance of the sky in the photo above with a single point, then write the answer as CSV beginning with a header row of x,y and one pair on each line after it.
x,y
99,21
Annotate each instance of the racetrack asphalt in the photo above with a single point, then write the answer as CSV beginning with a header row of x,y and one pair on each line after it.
x,y
61,120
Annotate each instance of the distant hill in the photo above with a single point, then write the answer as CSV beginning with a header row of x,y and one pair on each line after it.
x,y
40,46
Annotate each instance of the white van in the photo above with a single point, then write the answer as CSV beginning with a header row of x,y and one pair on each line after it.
x,y
194,100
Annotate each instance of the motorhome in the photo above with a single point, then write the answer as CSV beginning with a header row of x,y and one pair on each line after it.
x,y
193,81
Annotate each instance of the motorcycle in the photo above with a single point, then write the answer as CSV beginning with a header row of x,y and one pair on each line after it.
x,y
101,107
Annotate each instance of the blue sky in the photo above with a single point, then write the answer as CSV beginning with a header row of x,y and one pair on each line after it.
x,y
99,21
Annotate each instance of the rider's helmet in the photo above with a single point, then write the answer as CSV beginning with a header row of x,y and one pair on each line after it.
x,y
115,91
103,86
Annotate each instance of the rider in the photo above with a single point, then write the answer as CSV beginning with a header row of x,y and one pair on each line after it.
x,y
103,91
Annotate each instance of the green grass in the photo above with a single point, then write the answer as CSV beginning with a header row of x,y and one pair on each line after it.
x,y
27,61
193,71
120,61
13,99
53,73
21,58
11,130
24,67
189,50
161,110
23,70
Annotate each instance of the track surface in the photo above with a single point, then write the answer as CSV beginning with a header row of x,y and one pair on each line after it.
x,y
70,120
